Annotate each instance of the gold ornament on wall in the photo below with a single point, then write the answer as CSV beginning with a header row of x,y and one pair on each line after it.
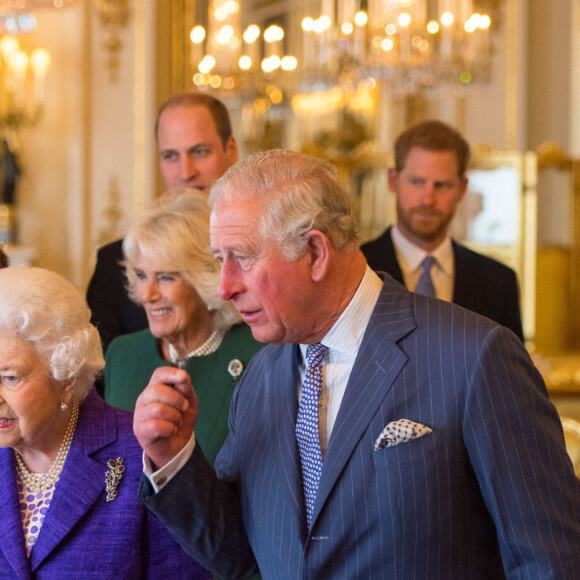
x,y
112,213
114,15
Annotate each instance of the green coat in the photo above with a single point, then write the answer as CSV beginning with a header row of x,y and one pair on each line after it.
x,y
132,358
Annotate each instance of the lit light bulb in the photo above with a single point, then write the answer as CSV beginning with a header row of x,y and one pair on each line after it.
x,y
289,63
245,62
469,26
251,34
484,21
8,45
197,34
273,33
447,18
266,65
361,18
387,44
226,32
40,61
231,6
307,24
432,27
404,19
322,24
206,64
18,62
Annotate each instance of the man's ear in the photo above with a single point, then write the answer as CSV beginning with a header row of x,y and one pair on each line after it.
x,y
319,250
232,149
393,176
463,189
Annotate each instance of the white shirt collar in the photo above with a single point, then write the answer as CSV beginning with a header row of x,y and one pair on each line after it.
x,y
347,333
410,256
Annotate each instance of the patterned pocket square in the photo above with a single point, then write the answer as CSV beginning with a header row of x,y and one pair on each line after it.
x,y
400,431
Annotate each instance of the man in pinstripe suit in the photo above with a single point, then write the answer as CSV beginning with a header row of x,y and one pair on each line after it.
x,y
443,457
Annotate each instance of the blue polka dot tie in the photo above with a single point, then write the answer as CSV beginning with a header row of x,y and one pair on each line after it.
x,y
307,427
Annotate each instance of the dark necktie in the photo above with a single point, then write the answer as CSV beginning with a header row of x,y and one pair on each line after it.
x,y
425,284
307,427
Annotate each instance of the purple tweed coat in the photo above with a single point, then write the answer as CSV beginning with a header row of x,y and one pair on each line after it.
x,y
84,536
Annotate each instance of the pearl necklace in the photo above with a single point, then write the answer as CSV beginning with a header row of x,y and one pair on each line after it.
x,y
209,346
40,482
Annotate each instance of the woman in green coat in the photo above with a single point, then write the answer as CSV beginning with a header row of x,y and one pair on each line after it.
x,y
172,274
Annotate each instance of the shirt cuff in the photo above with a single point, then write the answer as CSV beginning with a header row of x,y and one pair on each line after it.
x,y
163,476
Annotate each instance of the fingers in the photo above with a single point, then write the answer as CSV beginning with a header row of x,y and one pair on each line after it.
x,y
169,386
165,414
159,395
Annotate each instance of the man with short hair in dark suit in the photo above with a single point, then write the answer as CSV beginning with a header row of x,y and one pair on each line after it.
x,y
195,146
382,433
429,180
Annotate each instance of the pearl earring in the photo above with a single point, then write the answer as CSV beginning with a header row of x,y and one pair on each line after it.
x,y
63,406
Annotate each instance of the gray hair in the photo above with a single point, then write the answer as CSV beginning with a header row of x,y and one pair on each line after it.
x,y
173,236
48,312
297,193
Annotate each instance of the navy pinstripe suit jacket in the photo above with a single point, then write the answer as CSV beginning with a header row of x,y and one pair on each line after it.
x,y
490,492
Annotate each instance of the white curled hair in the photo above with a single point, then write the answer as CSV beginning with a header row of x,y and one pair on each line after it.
x,y
173,236
51,315
297,193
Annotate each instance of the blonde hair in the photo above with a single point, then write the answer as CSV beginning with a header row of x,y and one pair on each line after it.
x,y
173,236
48,312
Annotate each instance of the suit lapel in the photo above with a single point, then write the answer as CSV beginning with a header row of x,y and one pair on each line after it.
x,y
82,481
11,534
461,289
376,367
390,258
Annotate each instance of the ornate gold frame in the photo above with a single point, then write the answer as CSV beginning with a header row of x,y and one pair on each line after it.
x,y
522,256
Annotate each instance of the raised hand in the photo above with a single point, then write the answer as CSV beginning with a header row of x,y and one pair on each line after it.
x,y
165,415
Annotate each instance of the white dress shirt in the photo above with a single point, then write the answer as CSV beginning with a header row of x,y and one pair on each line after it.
x,y
410,258
343,342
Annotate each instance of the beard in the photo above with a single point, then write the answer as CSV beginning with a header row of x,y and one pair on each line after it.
x,y
412,223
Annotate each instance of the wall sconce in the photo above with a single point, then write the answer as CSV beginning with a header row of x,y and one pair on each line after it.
x,y
22,78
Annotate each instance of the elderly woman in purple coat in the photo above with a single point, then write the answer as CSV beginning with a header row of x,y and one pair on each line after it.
x,y
69,462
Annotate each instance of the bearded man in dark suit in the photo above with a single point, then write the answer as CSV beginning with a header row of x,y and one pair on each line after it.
x,y
431,160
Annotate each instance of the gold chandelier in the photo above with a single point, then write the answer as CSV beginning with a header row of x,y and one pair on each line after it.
x,y
409,44
225,57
